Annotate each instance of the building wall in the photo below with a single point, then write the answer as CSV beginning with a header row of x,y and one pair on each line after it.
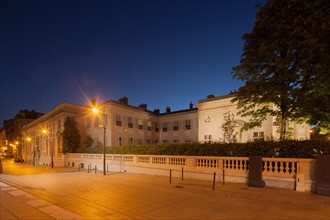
x,y
129,125
39,150
211,118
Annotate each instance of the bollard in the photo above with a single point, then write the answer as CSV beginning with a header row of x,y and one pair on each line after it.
x,y
182,173
88,168
170,176
107,169
1,169
95,169
214,175
223,177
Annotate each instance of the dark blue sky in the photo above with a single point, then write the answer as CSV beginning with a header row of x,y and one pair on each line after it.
x,y
162,53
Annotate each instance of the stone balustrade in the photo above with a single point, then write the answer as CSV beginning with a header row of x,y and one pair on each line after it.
x,y
276,172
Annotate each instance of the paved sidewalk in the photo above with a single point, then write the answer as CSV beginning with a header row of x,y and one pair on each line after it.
x,y
17,204
68,194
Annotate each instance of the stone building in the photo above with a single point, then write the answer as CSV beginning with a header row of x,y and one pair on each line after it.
x,y
118,123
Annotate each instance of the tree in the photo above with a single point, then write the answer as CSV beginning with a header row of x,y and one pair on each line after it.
x,y
229,128
88,142
285,62
71,136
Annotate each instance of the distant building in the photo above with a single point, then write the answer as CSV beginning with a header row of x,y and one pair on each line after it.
x,y
214,120
11,133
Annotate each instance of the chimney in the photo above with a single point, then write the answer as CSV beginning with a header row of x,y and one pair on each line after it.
x,y
94,103
210,96
123,100
191,105
143,106
168,109
157,111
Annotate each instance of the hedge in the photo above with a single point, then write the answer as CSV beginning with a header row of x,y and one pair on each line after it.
x,y
281,149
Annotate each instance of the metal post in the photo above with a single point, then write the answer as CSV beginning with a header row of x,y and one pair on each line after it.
x,y
104,171
214,175
95,168
182,173
170,176
223,177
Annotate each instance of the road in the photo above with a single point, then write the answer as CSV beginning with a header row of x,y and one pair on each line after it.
x,y
134,196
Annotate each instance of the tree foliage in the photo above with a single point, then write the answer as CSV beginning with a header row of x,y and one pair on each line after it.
x,y
71,136
285,62
229,128
88,142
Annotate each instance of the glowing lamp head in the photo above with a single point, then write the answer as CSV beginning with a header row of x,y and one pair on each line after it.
x,y
28,139
95,110
44,131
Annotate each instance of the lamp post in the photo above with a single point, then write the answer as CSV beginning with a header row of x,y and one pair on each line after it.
x,y
44,131
28,140
96,111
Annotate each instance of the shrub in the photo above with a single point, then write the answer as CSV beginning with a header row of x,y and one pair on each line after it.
x,y
283,149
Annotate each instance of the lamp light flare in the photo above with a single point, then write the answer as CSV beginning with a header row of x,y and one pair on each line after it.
x,y
95,110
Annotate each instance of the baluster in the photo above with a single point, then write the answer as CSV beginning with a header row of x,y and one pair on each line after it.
x,y
279,166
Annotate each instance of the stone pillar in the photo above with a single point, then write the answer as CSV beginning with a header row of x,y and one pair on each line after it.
x,y
323,175
255,172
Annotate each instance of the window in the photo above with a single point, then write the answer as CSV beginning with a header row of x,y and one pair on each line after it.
x,y
165,141
120,141
155,141
148,141
165,126
208,138
187,124
130,141
130,122
96,122
188,141
258,135
175,125
149,126
88,122
118,120
176,141
139,141
96,141
155,124
140,124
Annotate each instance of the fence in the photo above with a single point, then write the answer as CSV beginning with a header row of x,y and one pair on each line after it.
x,y
276,172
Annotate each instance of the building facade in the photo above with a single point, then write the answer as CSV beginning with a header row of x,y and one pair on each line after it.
x,y
119,124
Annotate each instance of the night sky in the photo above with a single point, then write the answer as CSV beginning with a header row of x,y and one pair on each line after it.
x,y
162,53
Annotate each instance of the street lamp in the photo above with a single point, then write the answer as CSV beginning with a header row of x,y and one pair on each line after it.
x,y
44,131
95,110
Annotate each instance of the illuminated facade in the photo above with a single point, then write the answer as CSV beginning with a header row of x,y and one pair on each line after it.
x,y
130,125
